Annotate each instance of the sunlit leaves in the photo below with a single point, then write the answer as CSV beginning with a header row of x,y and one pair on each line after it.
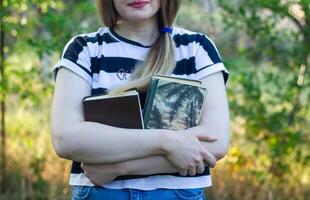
x,y
38,28
265,90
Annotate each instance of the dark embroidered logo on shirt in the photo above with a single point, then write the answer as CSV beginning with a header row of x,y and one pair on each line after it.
x,y
123,74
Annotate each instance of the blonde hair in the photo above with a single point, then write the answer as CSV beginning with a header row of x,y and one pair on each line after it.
x,y
161,57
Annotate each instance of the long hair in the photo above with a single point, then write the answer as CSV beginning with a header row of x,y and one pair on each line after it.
x,y
161,57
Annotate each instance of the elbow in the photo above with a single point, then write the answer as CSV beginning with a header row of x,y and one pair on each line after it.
x,y
222,151
61,149
61,144
224,144
220,155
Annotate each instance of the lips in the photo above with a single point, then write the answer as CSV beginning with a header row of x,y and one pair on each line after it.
x,y
138,4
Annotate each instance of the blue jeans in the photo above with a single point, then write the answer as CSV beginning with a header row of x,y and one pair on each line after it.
x,y
101,193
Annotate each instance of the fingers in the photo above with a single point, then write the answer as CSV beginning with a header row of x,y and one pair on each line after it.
x,y
183,172
192,170
207,138
197,168
200,168
209,158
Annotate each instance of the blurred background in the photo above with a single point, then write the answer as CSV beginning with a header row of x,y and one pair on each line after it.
x,y
264,45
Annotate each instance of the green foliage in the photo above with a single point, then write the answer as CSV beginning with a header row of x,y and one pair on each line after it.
x,y
270,90
265,46
273,29
36,28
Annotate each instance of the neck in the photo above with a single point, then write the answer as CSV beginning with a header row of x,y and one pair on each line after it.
x,y
145,32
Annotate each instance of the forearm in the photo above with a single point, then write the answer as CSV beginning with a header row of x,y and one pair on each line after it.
x,y
159,164
145,166
91,142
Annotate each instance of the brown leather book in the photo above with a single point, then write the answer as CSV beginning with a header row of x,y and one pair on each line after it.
x,y
122,110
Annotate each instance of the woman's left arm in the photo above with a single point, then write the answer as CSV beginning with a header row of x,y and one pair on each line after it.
x,y
215,118
214,122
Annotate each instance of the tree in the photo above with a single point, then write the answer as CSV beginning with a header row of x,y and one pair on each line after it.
x,y
2,100
272,58
34,30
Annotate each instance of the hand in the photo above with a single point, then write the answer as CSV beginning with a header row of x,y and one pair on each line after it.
x,y
100,174
204,138
187,154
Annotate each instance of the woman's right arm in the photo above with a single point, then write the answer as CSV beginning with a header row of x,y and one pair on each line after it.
x,y
91,142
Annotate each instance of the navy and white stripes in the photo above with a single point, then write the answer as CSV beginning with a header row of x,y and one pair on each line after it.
x,y
105,59
105,51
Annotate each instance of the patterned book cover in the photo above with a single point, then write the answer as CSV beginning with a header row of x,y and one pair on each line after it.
x,y
173,103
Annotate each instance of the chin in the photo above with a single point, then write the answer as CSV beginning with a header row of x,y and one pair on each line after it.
x,y
139,17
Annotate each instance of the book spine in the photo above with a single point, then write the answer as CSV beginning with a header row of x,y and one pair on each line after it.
x,y
85,115
149,101
141,116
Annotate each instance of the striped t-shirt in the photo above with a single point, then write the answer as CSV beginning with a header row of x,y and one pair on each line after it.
x,y
105,59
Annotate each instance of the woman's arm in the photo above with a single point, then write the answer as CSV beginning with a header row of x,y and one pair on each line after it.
x,y
215,118
215,121
100,174
78,140
91,142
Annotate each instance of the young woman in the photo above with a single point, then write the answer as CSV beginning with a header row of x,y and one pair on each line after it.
x,y
137,42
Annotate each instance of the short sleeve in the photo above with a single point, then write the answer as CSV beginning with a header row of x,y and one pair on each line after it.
x,y
76,58
208,59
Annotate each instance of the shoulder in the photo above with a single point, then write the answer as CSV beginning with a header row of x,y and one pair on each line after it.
x,y
183,36
97,37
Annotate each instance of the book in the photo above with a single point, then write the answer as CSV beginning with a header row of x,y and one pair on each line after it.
x,y
120,110
173,103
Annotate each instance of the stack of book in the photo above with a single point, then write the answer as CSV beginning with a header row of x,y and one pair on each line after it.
x,y
171,103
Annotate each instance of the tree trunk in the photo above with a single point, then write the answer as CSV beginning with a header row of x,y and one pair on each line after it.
x,y
2,101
